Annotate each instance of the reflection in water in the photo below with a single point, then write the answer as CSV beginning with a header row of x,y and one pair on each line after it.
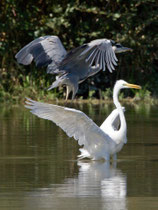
x,y
96,180
36,174
101,179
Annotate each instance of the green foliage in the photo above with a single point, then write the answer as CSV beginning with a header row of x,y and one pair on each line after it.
x,y
143,94
106,94
91,93
133,23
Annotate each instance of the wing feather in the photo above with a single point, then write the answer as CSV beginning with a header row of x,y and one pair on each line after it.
x,y
46,50
74,122
103,47
101,60
103,55
93,57
98,53
112,58
91,54
97,60
108,63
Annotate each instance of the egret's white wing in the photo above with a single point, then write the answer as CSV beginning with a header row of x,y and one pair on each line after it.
x,y
100,53
112,121
46,50
76,124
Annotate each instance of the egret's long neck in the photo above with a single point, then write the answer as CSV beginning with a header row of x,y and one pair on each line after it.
x,y
123,126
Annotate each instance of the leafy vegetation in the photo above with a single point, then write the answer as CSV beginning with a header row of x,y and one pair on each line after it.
x,y
133,23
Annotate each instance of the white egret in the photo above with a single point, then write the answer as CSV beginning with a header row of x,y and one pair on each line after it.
x,y
98,142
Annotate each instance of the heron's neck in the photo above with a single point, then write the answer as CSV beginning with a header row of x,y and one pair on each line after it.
x,y
123,126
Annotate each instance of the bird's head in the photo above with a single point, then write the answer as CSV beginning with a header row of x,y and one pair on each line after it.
x,y
118,48
120,84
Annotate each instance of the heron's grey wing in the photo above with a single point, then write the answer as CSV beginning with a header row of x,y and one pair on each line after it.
x,y
74,122
46,50
74,65
99,53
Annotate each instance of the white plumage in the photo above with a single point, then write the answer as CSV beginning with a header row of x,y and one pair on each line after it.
x,y
97,142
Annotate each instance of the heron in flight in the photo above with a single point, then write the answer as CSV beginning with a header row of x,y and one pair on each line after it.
x,y
98,142
71,67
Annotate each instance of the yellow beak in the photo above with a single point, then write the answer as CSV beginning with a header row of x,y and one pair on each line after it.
x,y
133,86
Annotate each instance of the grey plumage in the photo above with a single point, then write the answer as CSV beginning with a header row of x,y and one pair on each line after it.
x,y
71,67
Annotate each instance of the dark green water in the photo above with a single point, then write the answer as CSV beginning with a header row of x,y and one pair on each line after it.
x,y
39,168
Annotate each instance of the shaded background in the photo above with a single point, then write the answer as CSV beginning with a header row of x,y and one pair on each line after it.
x,y
133,23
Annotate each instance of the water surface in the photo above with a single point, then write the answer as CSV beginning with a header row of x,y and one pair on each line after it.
x,y
39,167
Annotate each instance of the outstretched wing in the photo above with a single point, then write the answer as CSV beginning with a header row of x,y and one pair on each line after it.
x,y
44,50
112,122
98,53
74,122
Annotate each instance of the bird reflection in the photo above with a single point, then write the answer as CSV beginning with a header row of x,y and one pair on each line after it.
x,y
97,179
100,181
108,179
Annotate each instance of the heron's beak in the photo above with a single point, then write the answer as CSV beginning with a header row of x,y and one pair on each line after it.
x,y
123,49
133,86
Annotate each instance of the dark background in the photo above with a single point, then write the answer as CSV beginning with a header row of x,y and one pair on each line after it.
x,y
133,23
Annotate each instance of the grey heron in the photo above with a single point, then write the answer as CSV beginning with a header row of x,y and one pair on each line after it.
x,y
98,142
71,67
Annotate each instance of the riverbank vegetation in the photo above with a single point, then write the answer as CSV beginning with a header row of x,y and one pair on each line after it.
x,y
132,23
